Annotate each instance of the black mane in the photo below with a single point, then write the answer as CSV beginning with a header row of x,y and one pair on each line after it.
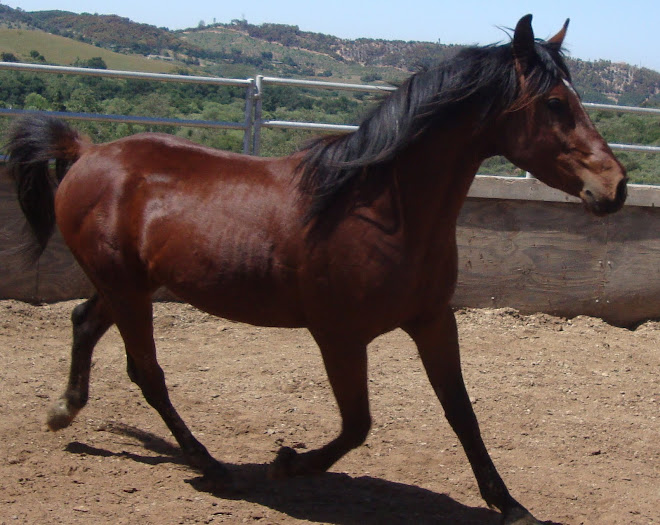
x,y
481,78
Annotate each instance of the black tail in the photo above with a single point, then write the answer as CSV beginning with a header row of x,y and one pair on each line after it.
x,y
32,144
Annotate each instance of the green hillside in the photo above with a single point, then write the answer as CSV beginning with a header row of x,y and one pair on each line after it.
x,y
232,50
65,51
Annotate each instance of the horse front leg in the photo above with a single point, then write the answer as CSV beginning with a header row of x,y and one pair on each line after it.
x,y
346,366
90,320
437,342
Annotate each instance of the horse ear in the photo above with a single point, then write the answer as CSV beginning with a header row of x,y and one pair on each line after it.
x,y
559,37
523,40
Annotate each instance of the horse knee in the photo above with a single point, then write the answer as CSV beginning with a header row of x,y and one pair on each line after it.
x,y
82,319
79,314
151,381
90,321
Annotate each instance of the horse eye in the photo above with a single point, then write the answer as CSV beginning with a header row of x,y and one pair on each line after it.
x,y
555,104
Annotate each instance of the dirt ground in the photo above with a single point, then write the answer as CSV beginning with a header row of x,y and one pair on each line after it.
x,y
569,410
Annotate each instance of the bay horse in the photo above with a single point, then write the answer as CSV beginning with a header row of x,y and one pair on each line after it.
x,y
351,237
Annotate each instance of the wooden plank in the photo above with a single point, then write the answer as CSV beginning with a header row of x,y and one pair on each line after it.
x,y
55,277
17,281
517,188
632,287
553,257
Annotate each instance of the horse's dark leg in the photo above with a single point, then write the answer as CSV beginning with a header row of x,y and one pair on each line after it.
x,y
91,320
346,365
135,323
437,341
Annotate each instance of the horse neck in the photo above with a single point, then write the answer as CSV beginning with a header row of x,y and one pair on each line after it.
x,y
434,175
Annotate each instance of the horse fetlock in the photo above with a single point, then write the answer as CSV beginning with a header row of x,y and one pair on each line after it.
x,y
199,458
60,415
355,436
217,473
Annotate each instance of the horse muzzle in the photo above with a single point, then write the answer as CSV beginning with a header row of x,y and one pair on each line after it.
x,y
601,202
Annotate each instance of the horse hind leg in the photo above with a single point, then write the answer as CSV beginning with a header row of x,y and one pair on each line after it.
x,y
135,323
346,366
90,320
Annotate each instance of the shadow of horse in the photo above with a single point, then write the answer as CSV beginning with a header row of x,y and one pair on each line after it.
x,y
167,453
342,499
326,498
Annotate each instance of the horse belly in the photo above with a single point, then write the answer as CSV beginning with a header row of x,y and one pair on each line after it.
x,y
253,304
239,278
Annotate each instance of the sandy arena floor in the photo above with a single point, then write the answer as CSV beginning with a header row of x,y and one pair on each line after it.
x,y
570,411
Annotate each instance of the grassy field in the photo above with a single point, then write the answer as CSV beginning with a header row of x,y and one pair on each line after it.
x,y
65,51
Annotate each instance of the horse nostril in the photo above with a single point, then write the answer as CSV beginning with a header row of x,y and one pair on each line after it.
x,y
622,190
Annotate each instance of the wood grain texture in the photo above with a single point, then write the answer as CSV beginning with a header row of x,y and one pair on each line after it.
x,y
554,257
531,255
632,287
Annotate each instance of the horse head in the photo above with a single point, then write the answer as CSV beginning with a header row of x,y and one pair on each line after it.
x,y
549,134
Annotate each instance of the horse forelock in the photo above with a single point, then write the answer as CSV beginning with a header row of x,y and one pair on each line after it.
x,y
545,70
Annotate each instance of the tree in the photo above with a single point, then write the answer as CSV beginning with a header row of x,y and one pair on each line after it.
x,y
36,101
96,63
35,55
154,105
82,100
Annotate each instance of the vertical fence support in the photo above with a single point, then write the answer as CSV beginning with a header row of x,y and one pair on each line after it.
x,y
258,115
249,117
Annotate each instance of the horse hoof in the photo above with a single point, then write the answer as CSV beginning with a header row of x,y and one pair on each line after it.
x,y
59,415
519,516
218,474
282,466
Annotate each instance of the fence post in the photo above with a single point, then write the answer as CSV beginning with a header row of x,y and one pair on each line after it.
x,y
249,116
256,143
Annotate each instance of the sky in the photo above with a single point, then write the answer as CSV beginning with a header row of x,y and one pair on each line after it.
x,y
620,32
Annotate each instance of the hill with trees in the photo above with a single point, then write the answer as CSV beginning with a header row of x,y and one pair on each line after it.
x,y
272,47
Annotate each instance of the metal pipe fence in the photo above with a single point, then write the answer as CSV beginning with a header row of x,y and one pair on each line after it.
x,y
247,84
253,121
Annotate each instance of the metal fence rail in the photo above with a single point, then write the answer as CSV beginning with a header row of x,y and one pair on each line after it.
x,y
259,122
254,121
637,148
247,84
125,119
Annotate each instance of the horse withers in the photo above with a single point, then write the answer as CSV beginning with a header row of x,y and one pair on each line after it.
x,y
351,237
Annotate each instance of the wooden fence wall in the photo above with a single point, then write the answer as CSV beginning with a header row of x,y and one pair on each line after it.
x,y
521,245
